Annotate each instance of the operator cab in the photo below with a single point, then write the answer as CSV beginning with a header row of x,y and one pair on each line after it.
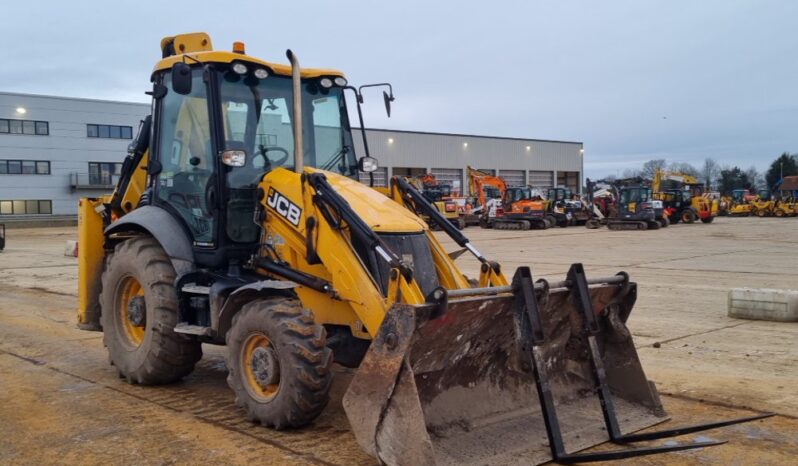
x,y
221,125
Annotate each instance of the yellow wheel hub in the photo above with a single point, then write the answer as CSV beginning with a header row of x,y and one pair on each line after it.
x,y
261,367
132,310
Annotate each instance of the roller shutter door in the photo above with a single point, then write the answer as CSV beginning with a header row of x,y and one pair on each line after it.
x,y
380,177
513,177
540,179
452,176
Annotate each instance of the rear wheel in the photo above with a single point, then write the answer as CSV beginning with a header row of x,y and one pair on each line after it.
x,y
688,216
664,222
761,213
779,213
279,363
139,313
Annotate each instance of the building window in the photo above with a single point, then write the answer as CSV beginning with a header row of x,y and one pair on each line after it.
x,y
102,173
24,167
32,127
109,131
26,207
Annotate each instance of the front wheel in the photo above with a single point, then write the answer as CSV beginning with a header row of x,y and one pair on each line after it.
x,y
139,314
279,363
688,216
708,219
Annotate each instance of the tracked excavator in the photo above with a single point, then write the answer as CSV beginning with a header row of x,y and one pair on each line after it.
x,y
238,221
625,204
506,208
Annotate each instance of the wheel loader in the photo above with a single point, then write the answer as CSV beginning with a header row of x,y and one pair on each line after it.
x,y
238,221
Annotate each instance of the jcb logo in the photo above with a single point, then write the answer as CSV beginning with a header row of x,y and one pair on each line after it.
x,y
284,207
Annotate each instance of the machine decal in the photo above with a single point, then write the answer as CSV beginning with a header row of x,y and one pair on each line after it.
x,y
284,207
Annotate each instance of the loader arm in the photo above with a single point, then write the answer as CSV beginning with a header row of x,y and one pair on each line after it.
x,y
411,198
94,214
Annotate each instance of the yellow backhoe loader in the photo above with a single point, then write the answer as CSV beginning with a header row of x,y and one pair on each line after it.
x,y
238,220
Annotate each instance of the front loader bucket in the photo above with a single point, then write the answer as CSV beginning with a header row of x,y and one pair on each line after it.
x,y
454,383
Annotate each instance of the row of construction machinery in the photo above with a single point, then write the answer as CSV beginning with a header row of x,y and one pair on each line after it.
x,y
522,207
782,201
213,236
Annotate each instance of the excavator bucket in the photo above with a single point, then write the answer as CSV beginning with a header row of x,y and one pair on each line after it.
x,y
471,380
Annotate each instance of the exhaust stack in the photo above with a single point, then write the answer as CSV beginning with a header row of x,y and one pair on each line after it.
x,y
299,154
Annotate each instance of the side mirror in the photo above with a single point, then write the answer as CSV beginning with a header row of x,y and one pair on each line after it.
x,y
181,78
367,164
388,99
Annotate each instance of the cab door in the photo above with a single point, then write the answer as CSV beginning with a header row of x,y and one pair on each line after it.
x,y
186,182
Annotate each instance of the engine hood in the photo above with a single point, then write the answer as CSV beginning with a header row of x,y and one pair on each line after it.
x,y
379,212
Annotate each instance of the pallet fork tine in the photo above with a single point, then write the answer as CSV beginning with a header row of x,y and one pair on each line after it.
x,y
581,294
533,336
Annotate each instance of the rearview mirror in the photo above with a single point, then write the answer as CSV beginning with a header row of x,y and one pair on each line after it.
x,y
367,164
388,99
181,78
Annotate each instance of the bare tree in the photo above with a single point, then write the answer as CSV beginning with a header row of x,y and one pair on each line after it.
x,y
650,168
684,167
756,178
710,172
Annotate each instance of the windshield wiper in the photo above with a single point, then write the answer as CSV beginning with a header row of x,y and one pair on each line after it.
x,y
336,158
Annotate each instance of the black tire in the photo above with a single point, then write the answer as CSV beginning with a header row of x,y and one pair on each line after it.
x,y
664,222
296,347
707,219
688,216
483,223
461,223
592,224
149,353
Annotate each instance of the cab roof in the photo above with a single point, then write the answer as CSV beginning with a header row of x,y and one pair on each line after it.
x,y
198,48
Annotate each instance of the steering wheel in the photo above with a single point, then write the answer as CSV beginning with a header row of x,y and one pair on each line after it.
x,y
263,150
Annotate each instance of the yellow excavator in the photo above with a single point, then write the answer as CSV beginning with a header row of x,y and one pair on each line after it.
x,y
238,221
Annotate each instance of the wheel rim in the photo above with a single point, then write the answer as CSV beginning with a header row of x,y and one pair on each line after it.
x,y
261,367
686,217
132,311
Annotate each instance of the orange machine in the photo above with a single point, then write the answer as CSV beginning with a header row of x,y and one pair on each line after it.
x,y
506,208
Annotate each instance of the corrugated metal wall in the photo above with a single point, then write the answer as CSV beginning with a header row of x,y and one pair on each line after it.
x,y
513,177
543,160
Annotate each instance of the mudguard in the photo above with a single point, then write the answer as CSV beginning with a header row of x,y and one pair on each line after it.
x,y
162,226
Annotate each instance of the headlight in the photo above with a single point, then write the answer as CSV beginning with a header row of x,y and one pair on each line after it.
x,y
340,81
240,68
326,83
261,73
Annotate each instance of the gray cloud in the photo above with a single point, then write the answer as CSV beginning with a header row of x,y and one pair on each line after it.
x,y
633,80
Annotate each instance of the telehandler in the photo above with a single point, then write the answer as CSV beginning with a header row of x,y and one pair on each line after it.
x,y
238,220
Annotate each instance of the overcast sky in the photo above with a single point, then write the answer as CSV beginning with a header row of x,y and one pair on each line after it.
x,y
633,80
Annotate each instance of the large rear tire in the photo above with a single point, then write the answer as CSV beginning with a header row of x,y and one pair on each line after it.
x,y
688,216
139,313
279,363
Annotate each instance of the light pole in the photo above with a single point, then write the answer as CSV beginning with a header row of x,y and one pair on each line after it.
x,y
581,170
